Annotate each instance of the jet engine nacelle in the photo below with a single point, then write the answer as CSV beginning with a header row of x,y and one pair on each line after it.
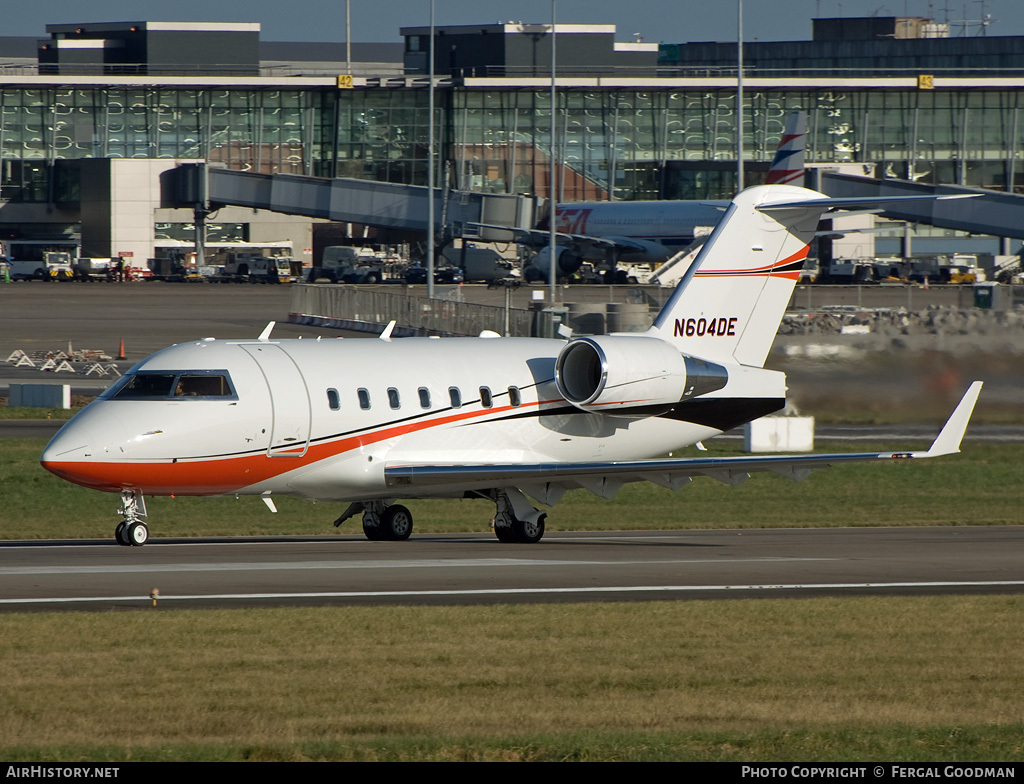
x,y
631,376
566,263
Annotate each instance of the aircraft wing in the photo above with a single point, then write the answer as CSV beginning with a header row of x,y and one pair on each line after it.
x,y
539,238
548,481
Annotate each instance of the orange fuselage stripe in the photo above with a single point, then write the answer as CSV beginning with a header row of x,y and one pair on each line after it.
x,y
219,475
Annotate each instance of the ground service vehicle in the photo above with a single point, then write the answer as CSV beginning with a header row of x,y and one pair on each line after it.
x,y
94,269
349,264
56,265
256,268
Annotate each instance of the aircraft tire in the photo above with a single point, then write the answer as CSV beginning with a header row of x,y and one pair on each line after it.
x,y
137,534
119,534
506,534
529,533
375,533
396,523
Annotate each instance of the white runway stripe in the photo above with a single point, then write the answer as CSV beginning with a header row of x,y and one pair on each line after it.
x,y
418,564
522,591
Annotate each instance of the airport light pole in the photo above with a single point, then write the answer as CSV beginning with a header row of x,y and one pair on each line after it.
x,y
739,95
553,233
348,36
430,163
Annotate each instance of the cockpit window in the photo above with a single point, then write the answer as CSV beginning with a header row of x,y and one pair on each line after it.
x,y
202,386
146,385
143,385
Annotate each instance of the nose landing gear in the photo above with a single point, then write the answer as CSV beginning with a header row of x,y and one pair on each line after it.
x,y
132,532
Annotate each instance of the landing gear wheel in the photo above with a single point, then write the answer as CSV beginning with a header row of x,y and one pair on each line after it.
x,y
529,533
375,533
137,534
119,534
505,533
396,523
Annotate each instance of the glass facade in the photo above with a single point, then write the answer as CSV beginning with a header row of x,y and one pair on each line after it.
x,y
620,143
264,130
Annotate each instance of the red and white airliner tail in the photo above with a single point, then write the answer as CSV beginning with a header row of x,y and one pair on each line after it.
x,y
788,165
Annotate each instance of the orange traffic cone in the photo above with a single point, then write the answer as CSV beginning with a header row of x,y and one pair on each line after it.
x,y
120,350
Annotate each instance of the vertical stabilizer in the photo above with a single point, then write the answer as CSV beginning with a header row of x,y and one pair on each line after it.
x,y
729,304
788,165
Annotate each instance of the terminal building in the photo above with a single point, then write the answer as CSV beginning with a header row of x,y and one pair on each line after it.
x,y
92,115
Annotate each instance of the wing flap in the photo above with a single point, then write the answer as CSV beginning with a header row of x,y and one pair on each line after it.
x,y
602,477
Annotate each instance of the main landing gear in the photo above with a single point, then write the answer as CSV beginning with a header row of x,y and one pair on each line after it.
x,y
132,532
515,520
382,522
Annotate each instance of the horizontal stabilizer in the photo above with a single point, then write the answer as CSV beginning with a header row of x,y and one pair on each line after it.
x,y
857,201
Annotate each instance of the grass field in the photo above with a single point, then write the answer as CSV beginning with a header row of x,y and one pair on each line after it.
x,y
865,679
981,486
936,678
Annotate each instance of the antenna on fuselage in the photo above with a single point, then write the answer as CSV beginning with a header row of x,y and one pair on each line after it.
x,y
386,334
265,334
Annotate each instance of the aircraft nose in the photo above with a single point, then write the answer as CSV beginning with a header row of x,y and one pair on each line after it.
x,y
77,454
72,442
72,445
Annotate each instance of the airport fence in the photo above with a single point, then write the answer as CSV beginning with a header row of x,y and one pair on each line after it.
x,y
371,309
908,297
594,310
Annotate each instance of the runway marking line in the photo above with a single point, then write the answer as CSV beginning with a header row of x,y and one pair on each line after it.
x,y
523,591
430,563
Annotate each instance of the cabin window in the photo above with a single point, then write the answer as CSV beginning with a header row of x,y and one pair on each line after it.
x,y
364,399
393,399
455,396
485,397
424,397
333,399
514,397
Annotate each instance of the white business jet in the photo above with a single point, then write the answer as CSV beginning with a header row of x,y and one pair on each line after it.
x,y
371,422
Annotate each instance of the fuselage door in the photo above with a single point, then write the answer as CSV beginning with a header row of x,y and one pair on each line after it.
x,y
290,419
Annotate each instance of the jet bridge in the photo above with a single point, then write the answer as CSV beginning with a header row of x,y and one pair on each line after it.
x,y
993,212
382,204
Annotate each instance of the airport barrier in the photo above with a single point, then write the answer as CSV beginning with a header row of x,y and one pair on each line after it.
x,y
908,297
40,395
371,309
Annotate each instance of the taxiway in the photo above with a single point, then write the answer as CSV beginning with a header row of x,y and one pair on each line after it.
x,y
475,568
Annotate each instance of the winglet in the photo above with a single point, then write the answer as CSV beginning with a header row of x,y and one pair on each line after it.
x,y
947,442
265,334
